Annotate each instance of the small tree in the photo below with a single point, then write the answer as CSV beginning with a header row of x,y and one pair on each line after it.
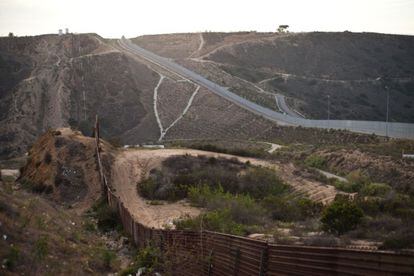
x,y
11,34
283,28
341,216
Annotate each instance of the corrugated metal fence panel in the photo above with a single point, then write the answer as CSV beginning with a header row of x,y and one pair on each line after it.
x,y
300,260
232,255
184,248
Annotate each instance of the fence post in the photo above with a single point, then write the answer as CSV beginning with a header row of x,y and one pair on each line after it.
x,y
263,260
236,262
210,266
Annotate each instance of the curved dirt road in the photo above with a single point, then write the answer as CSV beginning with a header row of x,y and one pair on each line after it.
x,y
132,165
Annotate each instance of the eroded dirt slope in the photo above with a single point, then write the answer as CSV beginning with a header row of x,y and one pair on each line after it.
x,y
62,165
56,81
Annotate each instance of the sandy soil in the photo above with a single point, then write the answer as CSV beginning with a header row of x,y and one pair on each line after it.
x,y
132,165
10,173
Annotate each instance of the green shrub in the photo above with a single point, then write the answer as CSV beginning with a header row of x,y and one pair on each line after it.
x,y
107,216
181,173
399,240
41,247
376,189
147,188
260,182
242,208
12,258
341,216
48,158
395,204
219,221
348,187
149,257
108,258
89,226
289,208
315,161
36,187
358,180
226,212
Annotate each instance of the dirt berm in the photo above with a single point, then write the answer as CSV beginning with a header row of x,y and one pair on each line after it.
x,y
62,165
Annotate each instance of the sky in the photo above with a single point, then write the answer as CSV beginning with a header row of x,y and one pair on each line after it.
x,y
131,18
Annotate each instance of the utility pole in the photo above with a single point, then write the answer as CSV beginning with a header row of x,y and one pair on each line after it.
x,y
329,108
388,109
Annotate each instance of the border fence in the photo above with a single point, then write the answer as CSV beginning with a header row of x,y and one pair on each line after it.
x,y
389,129
211,253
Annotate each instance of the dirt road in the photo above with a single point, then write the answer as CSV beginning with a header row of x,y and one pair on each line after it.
x,y
132,165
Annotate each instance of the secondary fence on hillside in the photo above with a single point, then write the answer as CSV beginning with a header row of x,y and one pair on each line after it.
x,y
389,129
211,253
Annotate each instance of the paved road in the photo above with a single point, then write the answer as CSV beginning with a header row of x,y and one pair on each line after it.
x,y
282,105
397,130
331,175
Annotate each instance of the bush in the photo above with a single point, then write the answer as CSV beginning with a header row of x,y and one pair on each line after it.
x,y
48,158
315,161
358,180
227,213
149,257
41,248
108,258
326,241
147,188
242,208
260,182
348,187
36,187
158,187
395,204
289,208
399,240
181,173
341,216
376,189
107,217
219,221
11,259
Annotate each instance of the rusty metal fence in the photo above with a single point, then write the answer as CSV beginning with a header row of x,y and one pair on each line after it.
x,y
211,253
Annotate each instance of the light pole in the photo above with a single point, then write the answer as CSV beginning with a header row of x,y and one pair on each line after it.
x,y
388,109
329,111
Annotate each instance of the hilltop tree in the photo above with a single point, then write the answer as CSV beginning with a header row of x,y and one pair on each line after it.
x,y
283,29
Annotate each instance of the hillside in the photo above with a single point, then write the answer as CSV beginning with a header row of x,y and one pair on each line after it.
x,y
306,68
52,222
54,81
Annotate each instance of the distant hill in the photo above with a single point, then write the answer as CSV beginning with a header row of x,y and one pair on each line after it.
x,y
52,81
306,67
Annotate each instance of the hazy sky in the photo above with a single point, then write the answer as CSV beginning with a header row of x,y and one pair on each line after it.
x,y
131,18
